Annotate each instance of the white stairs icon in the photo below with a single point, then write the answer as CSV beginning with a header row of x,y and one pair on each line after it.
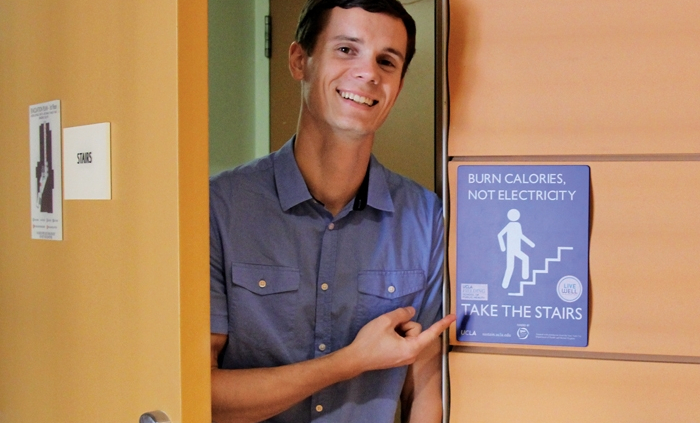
x,y
537,272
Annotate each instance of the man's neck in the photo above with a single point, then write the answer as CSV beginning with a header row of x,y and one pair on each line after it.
x,y
333,167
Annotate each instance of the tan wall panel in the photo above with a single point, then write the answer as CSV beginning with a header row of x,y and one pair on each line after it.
x,y
573,77
493,388
644,247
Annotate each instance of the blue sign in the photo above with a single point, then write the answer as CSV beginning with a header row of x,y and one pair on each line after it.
x,y
522,254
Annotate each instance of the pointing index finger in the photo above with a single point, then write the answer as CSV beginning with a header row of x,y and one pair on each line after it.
x,y
437,328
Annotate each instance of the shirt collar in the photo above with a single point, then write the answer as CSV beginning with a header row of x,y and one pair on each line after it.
x,y
378,194
292,190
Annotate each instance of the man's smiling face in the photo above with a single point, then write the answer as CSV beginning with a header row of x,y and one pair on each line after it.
x,y
352,78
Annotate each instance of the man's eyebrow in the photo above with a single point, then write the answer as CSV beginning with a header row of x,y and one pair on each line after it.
x,y
347,38
359,41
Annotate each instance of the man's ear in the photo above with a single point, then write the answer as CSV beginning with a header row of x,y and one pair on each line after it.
x,y
297,61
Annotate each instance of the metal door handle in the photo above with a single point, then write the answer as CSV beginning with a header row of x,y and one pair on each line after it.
x,y
154,417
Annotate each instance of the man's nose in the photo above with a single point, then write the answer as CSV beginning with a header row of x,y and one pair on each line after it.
x,y
367,70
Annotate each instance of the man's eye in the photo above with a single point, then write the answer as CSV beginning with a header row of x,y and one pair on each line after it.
x,y
344,49
387,63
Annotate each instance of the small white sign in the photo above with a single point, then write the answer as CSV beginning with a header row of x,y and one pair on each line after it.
x,y
45,170
87,162
475,292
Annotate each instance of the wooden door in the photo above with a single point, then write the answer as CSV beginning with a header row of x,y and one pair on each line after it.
x,y
112,321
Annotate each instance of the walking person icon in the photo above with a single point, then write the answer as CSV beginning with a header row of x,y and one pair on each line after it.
x,y
514,236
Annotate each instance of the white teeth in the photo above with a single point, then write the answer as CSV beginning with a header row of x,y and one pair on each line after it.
x,y
357,98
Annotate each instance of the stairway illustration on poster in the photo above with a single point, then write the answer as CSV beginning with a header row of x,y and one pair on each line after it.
x,y
536,272
522,254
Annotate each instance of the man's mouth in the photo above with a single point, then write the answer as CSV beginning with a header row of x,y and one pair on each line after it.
x,y
358,98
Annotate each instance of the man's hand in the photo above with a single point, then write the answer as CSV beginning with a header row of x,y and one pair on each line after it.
x,y
393,340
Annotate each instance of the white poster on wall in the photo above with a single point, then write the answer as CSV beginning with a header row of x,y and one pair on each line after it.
x,y
45,170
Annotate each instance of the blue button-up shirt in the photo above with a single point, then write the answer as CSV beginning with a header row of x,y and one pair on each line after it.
x,y
291,282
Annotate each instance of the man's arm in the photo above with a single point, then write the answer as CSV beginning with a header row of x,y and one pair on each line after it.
x,y
421,398
500,238
252,395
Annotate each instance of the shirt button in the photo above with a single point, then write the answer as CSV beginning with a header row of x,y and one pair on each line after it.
x,y
322,347
262,283
331,226
319,408
391,289
324,287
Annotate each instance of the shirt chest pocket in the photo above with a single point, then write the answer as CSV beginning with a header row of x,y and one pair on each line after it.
x,y
263,301
382,291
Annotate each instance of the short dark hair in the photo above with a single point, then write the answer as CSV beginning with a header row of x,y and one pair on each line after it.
x,y
314,17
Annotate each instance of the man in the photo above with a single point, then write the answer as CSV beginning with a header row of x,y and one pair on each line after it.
x,y
325,265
